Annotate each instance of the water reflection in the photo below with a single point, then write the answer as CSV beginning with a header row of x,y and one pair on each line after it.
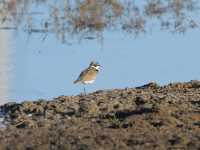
x,y
86,18
4,66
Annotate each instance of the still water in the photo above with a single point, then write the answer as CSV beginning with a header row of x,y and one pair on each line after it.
x,y
36,69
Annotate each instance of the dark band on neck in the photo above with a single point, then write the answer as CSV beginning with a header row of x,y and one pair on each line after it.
x,y
95,69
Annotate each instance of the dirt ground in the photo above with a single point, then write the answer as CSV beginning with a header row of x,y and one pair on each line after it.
x,y
146,117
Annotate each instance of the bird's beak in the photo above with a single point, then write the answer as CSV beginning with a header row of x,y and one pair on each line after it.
x,y
100,66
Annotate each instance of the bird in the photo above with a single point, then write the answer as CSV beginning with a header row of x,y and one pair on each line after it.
x,y
89,75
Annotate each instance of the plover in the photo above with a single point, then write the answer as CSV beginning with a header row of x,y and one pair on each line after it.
x,y
89,75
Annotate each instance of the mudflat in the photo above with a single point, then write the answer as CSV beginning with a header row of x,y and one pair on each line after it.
x,y
146,117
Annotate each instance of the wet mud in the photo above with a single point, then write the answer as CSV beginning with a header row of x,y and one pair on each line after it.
x,y
146,117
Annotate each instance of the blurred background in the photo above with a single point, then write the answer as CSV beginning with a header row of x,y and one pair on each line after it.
x,y
44,45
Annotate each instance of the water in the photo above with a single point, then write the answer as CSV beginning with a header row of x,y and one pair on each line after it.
x,y
3,126
5,65
44,70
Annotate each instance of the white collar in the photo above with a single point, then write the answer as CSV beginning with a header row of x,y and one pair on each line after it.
x,y
95,67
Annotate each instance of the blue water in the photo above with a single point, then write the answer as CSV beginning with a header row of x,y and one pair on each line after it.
x,y
159,57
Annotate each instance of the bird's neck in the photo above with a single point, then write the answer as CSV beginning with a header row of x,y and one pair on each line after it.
x,y
97,67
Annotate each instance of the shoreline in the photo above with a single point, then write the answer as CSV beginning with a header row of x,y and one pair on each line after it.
x,y
145,117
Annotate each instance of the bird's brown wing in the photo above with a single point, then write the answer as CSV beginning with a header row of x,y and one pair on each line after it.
x,y
88,74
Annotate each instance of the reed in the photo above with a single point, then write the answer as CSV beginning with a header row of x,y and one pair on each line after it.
x,y
84,18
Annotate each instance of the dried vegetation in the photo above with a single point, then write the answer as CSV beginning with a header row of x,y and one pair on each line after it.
x,y
83,18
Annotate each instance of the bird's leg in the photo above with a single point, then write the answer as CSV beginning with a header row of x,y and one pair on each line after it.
x,y
90,87
84,88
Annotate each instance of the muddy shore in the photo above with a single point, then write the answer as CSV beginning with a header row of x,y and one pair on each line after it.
x,y
146,117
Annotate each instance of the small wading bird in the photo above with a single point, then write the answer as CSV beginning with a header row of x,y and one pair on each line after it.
x,y
89,75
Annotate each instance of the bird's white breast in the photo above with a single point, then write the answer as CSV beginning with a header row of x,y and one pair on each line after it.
x,y
88,81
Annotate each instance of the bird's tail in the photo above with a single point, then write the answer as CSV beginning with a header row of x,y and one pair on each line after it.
x,y
75,82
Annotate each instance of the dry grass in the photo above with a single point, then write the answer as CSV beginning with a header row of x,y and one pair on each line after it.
x,y
84,18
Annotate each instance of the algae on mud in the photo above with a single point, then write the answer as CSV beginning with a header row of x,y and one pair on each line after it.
x,y
146,117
